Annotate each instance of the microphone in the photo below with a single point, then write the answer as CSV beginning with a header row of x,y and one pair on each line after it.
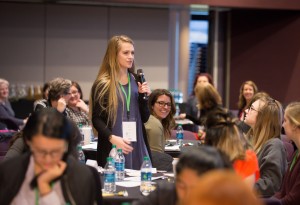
x,y
141,79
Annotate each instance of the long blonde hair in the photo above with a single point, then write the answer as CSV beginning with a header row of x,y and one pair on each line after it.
x,y
107,82
268,123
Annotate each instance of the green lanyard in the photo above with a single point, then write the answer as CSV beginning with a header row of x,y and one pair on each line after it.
x,y
294,160
127,97
37,194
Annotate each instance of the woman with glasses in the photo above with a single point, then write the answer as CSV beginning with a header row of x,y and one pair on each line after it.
x,y
58,95
76,109
48,174
265,116
289,192
161,121
118,105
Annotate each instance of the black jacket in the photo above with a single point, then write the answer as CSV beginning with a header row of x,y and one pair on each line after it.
x,y
80,183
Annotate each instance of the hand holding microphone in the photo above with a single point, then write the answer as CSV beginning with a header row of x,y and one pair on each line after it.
x,y
143,85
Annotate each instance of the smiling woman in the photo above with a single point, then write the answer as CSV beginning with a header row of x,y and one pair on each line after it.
x,y
161,121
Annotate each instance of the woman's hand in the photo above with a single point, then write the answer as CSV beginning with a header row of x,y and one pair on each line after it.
x,y
121,144
144,88
81,104
182,116
61,105
47,176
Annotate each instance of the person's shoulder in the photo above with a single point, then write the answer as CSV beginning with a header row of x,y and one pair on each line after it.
x,y
153,121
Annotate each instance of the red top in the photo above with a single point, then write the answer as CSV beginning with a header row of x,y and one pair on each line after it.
x,y
248,166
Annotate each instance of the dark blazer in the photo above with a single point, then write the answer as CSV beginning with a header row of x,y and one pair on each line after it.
x,y
80,183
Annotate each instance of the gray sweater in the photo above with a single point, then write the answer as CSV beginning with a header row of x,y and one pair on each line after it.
x,y
272,161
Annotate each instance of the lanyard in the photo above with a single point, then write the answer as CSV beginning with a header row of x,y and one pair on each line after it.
x,y
127,97
294,160
37,194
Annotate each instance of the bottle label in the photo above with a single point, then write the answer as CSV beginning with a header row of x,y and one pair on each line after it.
x,y
179,136
119,166
109,177
146,176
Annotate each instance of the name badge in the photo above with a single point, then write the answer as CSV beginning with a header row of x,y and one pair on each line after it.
x,y
129,130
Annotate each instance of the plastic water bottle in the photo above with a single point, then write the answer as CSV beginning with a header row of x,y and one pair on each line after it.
x,y
120,166
81,134
177,110
146,176
179,135
81,156
113,153
109,176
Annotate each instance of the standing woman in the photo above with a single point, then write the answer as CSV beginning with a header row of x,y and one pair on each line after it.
x,y
264,116
118,106
48,174
161,121
289,192
247,91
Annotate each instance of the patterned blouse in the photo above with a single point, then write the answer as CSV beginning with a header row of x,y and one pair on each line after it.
x,y
79,117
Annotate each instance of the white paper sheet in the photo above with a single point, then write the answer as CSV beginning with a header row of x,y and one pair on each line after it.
x,y
172,148
92,146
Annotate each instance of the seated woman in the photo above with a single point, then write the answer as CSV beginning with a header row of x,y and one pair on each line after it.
x,y
192,102
7,114
223,133
48,174
76,109
161,121
247,91
289,192
209,101
265,117
190,167
44,101
58,96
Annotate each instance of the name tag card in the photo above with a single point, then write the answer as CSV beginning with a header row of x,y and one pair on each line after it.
x,y
129,130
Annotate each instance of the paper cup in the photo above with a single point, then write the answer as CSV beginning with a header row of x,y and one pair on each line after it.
x,y
87,134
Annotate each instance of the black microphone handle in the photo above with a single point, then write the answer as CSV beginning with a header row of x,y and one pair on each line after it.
x,y
142,80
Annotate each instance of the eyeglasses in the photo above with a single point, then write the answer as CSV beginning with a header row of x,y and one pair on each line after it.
x,y
74,93
163,104
252,108
57,153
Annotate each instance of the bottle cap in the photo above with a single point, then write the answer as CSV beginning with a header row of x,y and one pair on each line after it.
x,y
79,147
146,158
80,125
114,146
119,150
109,159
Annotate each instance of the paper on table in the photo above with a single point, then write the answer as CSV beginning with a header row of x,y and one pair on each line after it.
x,y
133,181
184,122
172,148
92,146
137,173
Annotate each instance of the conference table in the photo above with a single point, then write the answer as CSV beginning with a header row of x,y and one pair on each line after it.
x,y
171,148
134,192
